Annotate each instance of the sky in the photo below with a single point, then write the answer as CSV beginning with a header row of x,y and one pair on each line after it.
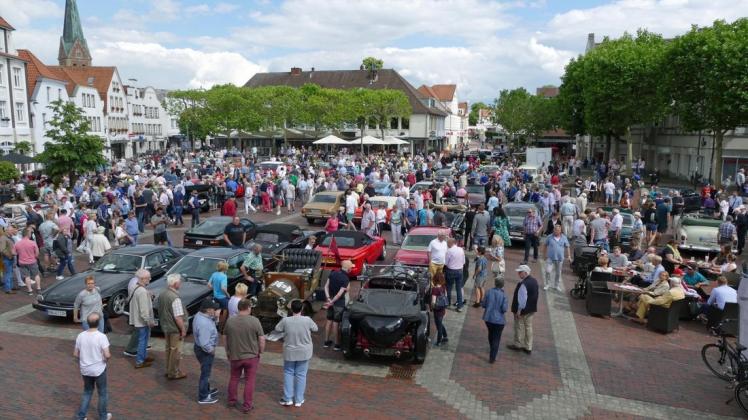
x,y
482,46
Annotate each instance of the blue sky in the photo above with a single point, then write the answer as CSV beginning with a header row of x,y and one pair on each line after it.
x,y
482,46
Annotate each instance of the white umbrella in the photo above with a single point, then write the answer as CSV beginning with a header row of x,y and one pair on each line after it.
x,y
389,140
331,140
368,140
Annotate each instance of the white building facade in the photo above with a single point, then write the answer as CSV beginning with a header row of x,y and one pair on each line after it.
x,y
15,124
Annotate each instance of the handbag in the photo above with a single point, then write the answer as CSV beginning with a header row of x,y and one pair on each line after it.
x,y
441,301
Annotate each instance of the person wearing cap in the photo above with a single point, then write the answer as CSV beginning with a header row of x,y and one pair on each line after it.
x,y
205,335
674,293
524,306
297,352
335,291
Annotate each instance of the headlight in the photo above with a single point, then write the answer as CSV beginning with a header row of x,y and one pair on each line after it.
x,y
39,298
253,301
281,302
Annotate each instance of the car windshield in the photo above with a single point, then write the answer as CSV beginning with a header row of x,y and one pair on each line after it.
x,y
323,198
475,189
118,262
418,241
267,237
628,219
195,268
515,211
209,227
340,241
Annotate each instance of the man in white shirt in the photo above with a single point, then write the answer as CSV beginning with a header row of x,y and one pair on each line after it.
x,y
610,191
454,262
351,202
437,253
92,352
616,224
568,210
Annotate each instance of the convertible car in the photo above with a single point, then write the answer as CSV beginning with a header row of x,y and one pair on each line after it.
x,y
698,232
277,237
355,246
210,232
297,277
112,273
196,268
389,316
413,251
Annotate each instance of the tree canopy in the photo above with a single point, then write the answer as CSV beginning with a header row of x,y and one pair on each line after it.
x,y
372,63
8,171
71,151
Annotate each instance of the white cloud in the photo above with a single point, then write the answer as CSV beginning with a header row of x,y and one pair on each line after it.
x,y
23,13
156,65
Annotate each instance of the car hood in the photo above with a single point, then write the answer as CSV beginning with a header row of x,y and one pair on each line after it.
x,y
412,257
65,291
516,221
700,235
189,291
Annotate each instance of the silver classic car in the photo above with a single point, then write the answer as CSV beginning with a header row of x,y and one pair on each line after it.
x,y
698,232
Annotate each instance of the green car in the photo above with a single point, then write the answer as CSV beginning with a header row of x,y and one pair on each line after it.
x,y
698,232
626,229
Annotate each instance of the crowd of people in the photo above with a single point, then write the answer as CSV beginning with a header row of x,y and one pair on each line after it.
x,y
113,207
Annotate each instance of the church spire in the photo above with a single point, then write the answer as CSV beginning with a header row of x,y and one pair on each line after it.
x,y
73,47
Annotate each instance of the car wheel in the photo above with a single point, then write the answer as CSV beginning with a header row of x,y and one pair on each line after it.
x,y
310,220
117,303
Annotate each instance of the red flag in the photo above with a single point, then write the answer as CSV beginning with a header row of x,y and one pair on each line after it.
x,y
334,250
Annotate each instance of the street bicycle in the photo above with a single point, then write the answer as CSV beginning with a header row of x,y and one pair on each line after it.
x,y
728,363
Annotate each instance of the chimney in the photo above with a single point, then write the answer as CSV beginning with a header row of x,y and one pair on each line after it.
x,y
590,41
311,73
295,71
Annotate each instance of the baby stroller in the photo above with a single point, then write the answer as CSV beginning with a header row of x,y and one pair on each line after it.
x,y
585,260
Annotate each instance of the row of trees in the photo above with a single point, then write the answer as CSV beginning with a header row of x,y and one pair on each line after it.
x,y
523,115
226,108
701,77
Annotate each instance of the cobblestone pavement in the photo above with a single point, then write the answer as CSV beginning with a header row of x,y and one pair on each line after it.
x,y
581,367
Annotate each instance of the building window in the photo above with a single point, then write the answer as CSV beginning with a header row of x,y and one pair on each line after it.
x,y
19,111
16,77
393,124
406,124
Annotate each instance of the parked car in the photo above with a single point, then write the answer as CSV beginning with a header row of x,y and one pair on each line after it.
x,y
375,201
297,277
388,318
356,246
444,175
424,185
322,205
698,232
476,194
210,232
196,268
203,196
489,170
277,237
16,212
386,189
689,200
271,165
112,273
516,213
414,250
626,229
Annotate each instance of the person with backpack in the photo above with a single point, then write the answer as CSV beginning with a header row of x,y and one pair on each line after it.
x,y
439,304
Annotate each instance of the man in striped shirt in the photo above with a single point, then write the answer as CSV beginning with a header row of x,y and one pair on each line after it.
x,y
532,226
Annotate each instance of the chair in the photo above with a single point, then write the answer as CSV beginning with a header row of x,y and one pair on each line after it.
x,y
665,320
598,295
714,316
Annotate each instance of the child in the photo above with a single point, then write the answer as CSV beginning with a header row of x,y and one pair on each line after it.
x,y
481,273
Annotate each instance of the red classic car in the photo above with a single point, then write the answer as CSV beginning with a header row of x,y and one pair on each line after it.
x,y
375,201
414,250
352,245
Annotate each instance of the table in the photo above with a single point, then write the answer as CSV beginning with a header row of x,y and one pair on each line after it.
x,y
622,289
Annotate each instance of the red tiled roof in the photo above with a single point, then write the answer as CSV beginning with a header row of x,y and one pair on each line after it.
x,y
4,24
444,92
463,106
36,70
427,92
102,78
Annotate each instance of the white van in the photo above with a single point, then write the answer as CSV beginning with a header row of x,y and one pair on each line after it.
x,y
532,170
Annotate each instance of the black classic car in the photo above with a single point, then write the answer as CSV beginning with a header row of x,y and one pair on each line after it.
x,y
203,196
196,268
297,277
389,316
112,273
210,232
276,237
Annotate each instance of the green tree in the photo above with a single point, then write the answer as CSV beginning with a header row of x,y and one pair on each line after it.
x,y
387,104
189,108
280,107
622,85
372,63
23,147
544,115
706,75
358,108
474,114
230,108
8,171
321,107
513,110
71,151
570,99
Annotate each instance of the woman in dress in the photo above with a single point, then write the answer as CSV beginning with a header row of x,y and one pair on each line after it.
x,y
481,274
496,256
501,226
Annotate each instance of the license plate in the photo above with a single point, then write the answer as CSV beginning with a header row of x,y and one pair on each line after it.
x,y
328,260
198,242
382,352
53,312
